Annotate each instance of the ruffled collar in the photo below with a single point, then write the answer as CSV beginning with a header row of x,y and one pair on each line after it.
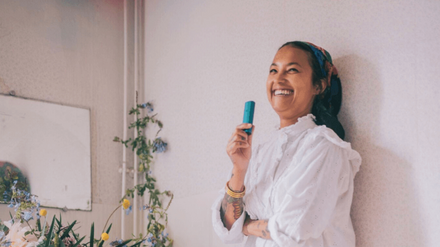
x,y
304,123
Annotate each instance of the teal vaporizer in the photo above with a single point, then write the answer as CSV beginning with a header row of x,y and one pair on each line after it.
x,y
248,116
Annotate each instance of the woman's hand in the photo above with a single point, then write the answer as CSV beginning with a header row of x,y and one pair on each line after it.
x,y
257,228
247,221
239,147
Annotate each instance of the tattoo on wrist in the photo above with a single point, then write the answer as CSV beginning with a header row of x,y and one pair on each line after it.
x,y
266,232
235,203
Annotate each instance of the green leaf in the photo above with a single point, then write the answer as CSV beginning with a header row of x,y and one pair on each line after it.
x,y
49,235
59,222
92,234
74,235
108,229
38,225
66,232
100,243
134,144
137,244
78,241
4,228
123,243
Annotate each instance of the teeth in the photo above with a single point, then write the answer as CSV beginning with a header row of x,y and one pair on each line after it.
x,y
283,92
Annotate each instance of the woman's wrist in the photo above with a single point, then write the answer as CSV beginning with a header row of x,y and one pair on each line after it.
x,y
257,228
236,183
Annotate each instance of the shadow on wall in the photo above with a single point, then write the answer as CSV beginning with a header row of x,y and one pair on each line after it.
x,y
385,210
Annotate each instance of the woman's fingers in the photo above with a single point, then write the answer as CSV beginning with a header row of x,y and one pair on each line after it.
x,y
242,137
239,130
234,146
239,139
244,126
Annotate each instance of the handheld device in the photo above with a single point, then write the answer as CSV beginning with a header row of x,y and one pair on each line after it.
x,y
248,116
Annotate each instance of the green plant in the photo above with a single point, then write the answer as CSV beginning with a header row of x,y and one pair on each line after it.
x,y
144,149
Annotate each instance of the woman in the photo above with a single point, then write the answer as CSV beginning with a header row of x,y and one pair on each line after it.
x,y
296,189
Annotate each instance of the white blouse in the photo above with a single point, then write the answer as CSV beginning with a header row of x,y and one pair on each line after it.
x,y
301,180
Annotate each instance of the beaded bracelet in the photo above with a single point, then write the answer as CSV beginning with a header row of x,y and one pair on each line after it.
x,y
235,194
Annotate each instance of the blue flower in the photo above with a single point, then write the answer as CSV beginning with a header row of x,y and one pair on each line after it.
x,y
116,242
11,205
147,105
27,216
159,145
2,234
129,209
151,210
7,243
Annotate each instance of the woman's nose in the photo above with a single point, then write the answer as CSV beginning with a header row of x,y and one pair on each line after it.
x,y
280,76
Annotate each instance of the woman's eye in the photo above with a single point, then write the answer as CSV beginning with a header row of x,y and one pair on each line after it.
x,y
273,71
293,69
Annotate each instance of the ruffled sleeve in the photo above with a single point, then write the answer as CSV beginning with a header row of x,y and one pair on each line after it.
x,y
314,188
234,235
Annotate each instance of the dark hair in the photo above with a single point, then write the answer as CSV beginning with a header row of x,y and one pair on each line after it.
x,y
325,106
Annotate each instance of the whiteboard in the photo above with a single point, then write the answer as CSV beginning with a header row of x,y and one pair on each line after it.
x,y
50,143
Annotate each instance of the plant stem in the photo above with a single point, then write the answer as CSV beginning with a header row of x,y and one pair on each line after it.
x,y
110,217
172,196
29,225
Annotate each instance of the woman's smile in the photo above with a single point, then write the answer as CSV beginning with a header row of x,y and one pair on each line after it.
x,y
282,92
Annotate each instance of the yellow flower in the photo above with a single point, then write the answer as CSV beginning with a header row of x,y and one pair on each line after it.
x,y
43,212
126,204
104,236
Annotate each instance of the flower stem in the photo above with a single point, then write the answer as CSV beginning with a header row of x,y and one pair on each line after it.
x,y
44,227
30,226
110,217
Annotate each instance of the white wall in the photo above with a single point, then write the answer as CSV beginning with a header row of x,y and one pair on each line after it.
x,y
204,59
71,52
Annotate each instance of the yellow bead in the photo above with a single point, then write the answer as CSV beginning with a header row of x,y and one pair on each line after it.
x,y
104,236
43,212
126,204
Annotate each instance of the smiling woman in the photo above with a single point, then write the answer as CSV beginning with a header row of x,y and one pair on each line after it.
x,y
295,189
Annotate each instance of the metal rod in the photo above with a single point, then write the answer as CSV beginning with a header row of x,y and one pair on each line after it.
x,y
124,136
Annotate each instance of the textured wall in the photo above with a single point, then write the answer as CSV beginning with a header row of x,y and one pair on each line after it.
x,y
204,59
71,52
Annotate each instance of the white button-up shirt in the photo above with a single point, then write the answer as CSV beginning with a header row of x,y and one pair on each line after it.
x,y
301,180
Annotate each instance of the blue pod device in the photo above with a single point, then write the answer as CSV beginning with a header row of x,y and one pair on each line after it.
x,y
248,116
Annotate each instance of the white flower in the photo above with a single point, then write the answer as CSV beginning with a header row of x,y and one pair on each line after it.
x,y
35,242
17,235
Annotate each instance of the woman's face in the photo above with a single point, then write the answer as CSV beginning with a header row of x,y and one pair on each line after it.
x,y
289,85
